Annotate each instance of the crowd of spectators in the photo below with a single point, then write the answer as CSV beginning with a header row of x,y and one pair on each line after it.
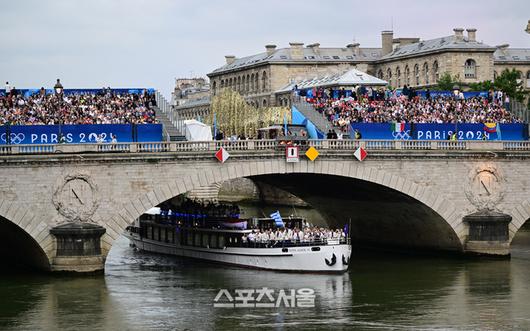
x,y
104,107
389,107
281,236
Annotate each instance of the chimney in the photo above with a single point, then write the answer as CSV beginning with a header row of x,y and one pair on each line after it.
x,y
503,48
315,47
354,48
386,42
270,49
459,34
230,59
471,35
297,52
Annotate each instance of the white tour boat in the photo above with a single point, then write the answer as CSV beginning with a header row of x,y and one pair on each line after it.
x,y
231,242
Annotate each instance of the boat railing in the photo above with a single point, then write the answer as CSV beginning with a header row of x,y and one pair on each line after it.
x,y
290,243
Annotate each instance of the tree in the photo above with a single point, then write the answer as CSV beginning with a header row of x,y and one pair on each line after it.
x,y
446,82
234,116
510,83
481,86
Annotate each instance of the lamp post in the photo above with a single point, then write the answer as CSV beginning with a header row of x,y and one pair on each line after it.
x,y
456,93
58,88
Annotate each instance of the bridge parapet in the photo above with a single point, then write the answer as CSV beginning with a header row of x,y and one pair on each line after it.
x,y
260,145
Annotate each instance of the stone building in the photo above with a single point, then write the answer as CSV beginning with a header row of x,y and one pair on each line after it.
x,y
418,63
187,89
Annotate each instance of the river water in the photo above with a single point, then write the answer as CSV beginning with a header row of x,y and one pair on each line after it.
x,y
381,292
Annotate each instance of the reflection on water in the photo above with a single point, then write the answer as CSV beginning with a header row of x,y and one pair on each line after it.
x,y
381,292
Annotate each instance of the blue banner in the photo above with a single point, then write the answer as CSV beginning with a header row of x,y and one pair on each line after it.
x,y
149,133
447,94
31,91
442,131
79,134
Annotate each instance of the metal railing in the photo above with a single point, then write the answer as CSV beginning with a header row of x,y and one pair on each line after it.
x,y
264,145
168,110
289,243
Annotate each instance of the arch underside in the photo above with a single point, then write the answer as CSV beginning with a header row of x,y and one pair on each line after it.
x,y
19,250
379,216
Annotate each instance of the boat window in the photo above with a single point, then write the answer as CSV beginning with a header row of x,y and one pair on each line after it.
x,y
189,240
170,236
221,242
197,239
163,234
149,233
205,240
213,240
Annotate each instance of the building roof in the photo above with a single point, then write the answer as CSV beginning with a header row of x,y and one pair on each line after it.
x,y
194,103
512,55
283,55
438,44
352,77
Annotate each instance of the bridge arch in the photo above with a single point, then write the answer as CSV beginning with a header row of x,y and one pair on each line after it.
x,y
24,238
520,215
355,170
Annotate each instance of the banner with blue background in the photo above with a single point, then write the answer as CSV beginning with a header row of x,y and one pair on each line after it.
x,y
441,131
79,134
31,91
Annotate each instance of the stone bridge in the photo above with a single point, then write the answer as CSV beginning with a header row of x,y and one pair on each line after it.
x,y
405,193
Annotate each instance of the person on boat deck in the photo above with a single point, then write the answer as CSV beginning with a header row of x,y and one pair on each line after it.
x,y
252,236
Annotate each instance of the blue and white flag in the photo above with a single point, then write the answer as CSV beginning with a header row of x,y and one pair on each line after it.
x,y
214,126
277,219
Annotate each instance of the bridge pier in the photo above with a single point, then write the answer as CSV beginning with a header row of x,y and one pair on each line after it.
x,y
78,248
488,233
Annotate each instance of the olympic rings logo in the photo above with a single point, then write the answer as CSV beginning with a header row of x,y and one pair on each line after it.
x,y
15,138
404,135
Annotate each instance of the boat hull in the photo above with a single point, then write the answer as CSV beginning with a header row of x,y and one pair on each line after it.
x,y
323,258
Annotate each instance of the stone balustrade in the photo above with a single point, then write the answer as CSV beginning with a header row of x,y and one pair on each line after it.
x,y
260,145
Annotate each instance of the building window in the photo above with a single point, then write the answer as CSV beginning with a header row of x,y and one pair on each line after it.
x,y
239,83
257,83
264,103
470,69
264,81
436,75
398,77
407,75
417,74
214,87
494,75
380,74
247,88
243,85
528,79
426,73
389,76
222,83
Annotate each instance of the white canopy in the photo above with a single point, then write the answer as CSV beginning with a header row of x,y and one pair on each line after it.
x,y
153,211
352,77
197,131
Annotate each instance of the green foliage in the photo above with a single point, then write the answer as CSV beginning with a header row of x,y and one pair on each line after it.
x,y
446,82
507,82
481,86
